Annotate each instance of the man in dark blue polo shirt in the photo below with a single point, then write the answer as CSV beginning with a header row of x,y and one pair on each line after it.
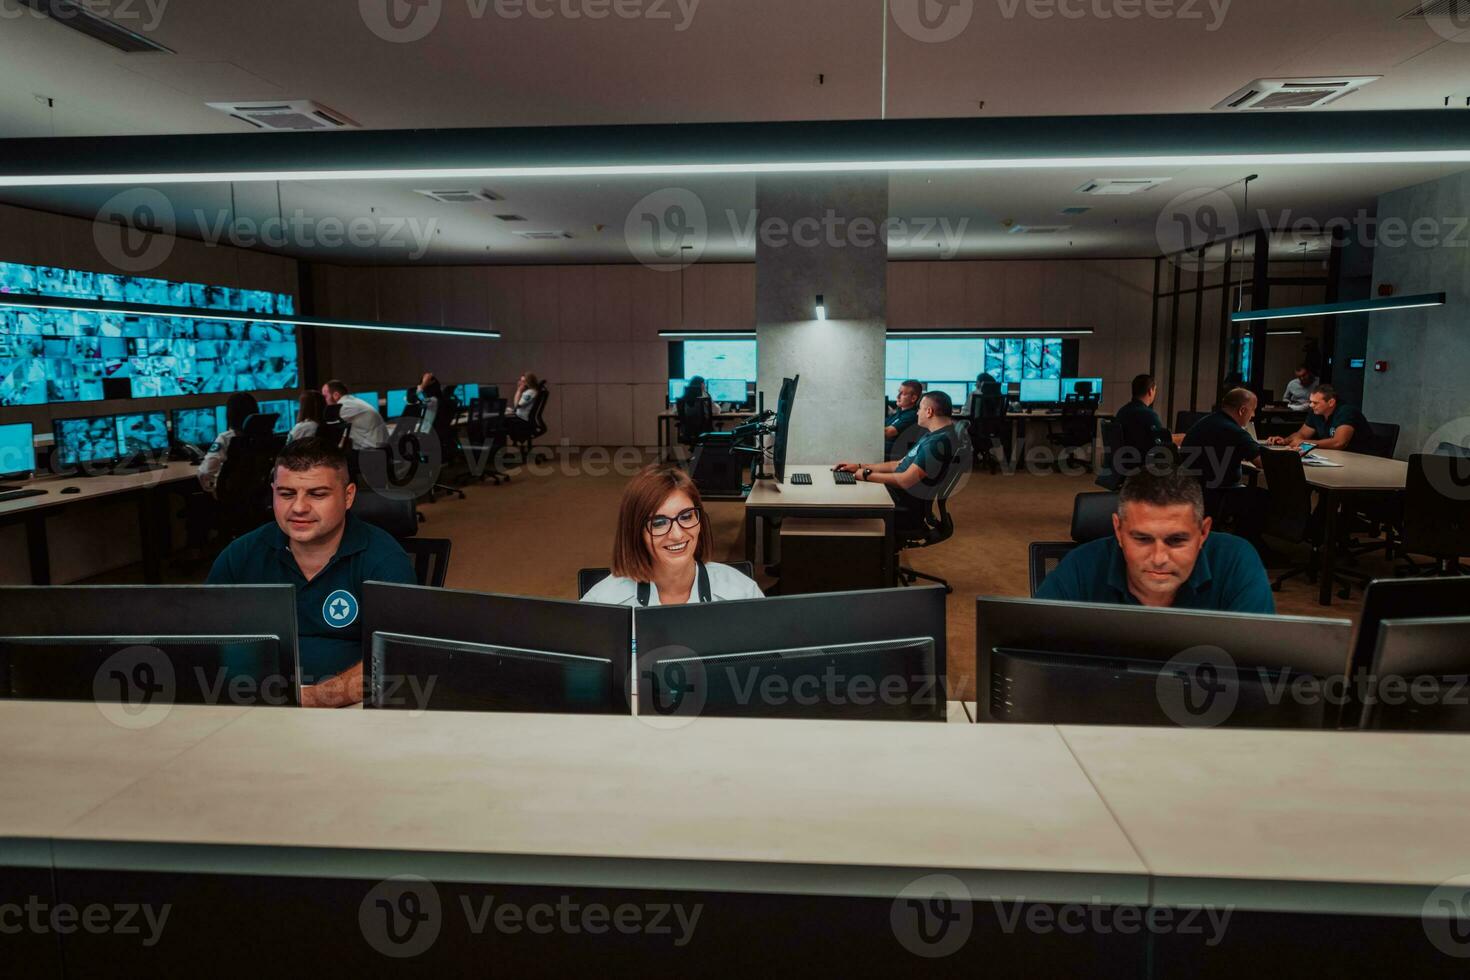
x,y
1162,554
316,545
1331,425
1213,450
905,418
914,480
1140,429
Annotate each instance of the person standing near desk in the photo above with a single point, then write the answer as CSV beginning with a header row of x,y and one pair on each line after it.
x,y
317,546
1162,554
1141,429
365,426
927,462
1331,425
904,418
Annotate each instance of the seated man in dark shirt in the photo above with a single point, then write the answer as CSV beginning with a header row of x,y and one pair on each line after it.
x,y
1213,450
914,480
1142,431
316,545
1162,554
1331,425
901,421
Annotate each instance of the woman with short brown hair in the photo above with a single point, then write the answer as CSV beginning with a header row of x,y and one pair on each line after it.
x,y
661,549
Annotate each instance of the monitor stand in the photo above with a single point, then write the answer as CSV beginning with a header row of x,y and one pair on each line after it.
x,y
133,466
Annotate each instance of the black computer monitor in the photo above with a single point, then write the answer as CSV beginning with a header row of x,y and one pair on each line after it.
x,y
1070,387
446,650
870,655
1053,663
1420,678
1408,598
83,441
17,450
140,646
785,402
197,427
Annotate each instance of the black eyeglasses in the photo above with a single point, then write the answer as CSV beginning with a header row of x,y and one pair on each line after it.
x,y
658,525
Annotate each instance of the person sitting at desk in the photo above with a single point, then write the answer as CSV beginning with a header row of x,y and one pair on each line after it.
x,y
1213,450
365,426
904,418
317,546
309,412
1140,426
1162,554
1299,389
926,463
660,554
525,397
241,406
1331,425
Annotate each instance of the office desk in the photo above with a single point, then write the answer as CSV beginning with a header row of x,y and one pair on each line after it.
x,y
278,826
1358,475
145,488
770,500
668,422
1018,422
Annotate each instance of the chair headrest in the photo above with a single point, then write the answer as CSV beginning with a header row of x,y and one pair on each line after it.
x,y
396,516
261,424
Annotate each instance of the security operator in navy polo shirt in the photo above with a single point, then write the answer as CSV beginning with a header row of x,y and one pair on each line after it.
x,y
1331,425
927,462
1140,427
904,418
1162,554
1213,450
316,545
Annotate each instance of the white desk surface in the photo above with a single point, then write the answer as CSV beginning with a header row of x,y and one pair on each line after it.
x,y
1358,472
823,492
93,487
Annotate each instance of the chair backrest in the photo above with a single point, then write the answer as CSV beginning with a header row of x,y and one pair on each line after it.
x,y
1184,421
244,486
333,433
392,514
696,417
588,577
1112,442
260,425
1385,439
1437,506
1450,449
538,410
1092,516
1045,557
1289,501
430,559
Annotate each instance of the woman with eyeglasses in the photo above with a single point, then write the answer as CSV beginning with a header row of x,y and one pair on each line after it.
x,y
660,552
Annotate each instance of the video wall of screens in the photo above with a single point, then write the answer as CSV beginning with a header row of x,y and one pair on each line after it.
x,y
717,359
50,356
945,362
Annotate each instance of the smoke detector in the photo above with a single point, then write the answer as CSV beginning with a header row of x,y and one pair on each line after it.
x,y
461,196
1118,186
299,116
1265,94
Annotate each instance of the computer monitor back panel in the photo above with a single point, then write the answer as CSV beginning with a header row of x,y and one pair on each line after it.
x,y
426,674
1415,598
894,635
1420,676
17,449
785,404
1044,662
142,671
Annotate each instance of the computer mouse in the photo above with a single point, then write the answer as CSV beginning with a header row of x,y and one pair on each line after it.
x,y
71,489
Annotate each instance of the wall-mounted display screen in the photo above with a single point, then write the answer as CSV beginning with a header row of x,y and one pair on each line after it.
x,y
69,356
945,362
720,359
17,448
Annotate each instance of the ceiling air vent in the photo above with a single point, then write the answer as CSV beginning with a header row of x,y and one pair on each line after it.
x,y
1293,93
1456,10
1120,185
511,217
461,196
299,116
69,13
544,236
1074,211
1037,229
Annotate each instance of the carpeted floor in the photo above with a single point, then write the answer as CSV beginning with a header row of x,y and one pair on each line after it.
x,y
529,537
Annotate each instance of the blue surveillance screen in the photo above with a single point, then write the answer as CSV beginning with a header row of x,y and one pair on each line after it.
x,y
17,448
397,403
371,397
1037,391
285,411
89,440
195,426
144,433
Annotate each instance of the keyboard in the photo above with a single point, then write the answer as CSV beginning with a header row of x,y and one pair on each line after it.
x,y
801,479
16,493
844,479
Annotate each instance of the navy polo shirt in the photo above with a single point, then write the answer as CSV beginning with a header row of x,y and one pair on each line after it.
x,y
329,607
901,421
1344,415
1141,429
1214,448
1228,577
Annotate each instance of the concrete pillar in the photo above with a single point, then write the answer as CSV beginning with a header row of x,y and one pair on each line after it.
x,y
824,235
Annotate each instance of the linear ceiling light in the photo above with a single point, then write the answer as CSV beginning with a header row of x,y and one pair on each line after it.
x,y
72,304
707,334
1338,309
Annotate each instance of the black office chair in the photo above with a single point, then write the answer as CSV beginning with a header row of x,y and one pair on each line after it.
x,y
485,440
940,528
1385,440
1450,449
430,559
396,515
524,432
1184,421
1078,428
1289,516
1437,513
244,486
695,418
1045,556
989,426
1112,441
1092,516
588,577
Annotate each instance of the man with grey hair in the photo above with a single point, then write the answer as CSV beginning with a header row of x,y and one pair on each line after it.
x,y
1162,554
